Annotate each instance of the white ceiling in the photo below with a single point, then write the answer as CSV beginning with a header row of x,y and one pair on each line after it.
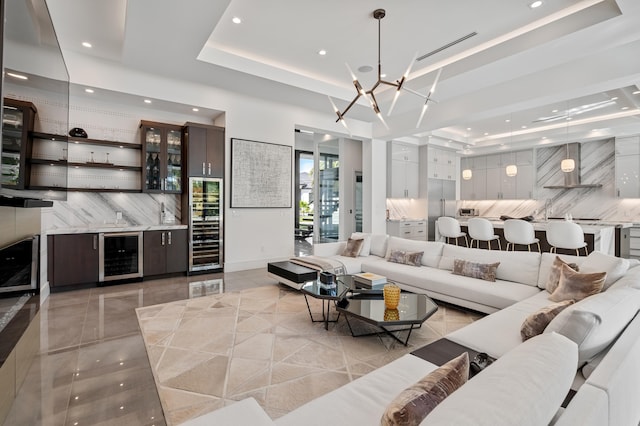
x,y
523,64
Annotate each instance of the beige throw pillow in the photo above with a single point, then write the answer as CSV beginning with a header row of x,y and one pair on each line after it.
x,y
406,257
554,273
353,247
414,403
577,286
535,323
483,271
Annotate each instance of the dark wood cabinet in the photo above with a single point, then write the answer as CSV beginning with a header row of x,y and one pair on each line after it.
x,y
204,146
162,157
73,259
165,252
18,118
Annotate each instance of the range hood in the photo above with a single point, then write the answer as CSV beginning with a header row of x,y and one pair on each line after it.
x,y
572,179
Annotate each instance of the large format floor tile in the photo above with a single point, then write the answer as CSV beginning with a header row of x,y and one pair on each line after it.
x,y
93,368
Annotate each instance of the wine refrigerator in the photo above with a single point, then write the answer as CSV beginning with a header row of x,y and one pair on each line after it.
x,y
205,209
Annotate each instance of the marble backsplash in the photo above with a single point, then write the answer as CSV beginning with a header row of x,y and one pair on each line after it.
x,y
96,208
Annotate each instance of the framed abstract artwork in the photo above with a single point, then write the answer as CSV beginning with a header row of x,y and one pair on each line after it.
x,y
261,174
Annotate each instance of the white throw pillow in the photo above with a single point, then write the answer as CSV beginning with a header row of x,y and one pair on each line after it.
x,y
615,267
593,323
366,244
379,245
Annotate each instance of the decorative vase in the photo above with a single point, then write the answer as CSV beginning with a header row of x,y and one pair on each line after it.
x,y
391,293
391,315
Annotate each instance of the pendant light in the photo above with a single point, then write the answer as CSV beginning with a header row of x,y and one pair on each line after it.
x,y
467,174
568,164
511,169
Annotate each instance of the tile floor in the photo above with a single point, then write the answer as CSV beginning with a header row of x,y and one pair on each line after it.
x,y
93,367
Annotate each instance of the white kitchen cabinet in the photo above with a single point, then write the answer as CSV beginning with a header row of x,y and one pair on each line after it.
x,y
404,171
489,179
409,229
441,164
627,163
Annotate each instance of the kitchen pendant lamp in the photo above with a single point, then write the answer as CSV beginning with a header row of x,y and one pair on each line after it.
x,y
512,170
467,174
378,14
568,164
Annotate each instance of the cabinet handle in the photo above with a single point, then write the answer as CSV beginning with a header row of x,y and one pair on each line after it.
x,y
209,169
203,170
169,238
95,242
162,239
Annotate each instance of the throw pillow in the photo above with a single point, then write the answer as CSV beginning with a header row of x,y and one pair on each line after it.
x,y
353,248
483,271
535,323
554,274
406,257
615,267
577,286
366,245
413,404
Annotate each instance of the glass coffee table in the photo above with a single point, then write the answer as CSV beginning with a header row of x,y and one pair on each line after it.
x,y
368,306
328,296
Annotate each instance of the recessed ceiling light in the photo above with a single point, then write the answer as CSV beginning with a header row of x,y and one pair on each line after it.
x,y
524,127
555,110
615,98
195,109
18,76
86,44
626,107
637,92
535,4
88,90
468,128
486,133
236,20
507,121
322,52
147,101
544,137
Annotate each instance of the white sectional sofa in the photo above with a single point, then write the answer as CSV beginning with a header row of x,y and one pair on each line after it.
x,y
592,347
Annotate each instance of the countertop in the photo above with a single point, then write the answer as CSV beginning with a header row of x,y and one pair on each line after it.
x,y
112,227
540,225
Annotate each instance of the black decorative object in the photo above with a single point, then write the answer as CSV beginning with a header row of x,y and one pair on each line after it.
x,y
77,132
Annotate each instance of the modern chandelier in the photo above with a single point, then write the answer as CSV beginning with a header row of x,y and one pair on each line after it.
x,y
378,14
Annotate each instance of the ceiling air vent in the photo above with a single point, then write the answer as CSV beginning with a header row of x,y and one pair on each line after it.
x,y
448,45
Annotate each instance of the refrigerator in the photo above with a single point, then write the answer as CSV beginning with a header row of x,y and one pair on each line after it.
x,y
205,211
441,201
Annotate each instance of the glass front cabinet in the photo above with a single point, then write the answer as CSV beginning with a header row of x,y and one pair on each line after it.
x,y
162,170
18,118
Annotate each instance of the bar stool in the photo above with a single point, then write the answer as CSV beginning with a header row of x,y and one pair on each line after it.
x,y
566,235
481,229
449,227
518,231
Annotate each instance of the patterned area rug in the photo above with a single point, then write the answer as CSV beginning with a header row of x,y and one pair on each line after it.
x,y
210,351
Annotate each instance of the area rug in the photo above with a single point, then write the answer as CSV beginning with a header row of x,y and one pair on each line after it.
x,y
208,352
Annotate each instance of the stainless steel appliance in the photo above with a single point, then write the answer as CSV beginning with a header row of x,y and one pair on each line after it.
x,y
468,212
120,255
205,211
19,265
441,202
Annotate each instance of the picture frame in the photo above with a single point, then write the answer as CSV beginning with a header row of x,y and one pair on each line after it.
x,y
261,174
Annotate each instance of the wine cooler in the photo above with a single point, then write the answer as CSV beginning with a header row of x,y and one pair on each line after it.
x,y
205,224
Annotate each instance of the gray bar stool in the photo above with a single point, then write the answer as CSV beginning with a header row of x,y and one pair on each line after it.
x,y
481,229
521,232
449,227
566,235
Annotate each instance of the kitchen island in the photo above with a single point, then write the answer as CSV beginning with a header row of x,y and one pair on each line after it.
x,y
607,237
